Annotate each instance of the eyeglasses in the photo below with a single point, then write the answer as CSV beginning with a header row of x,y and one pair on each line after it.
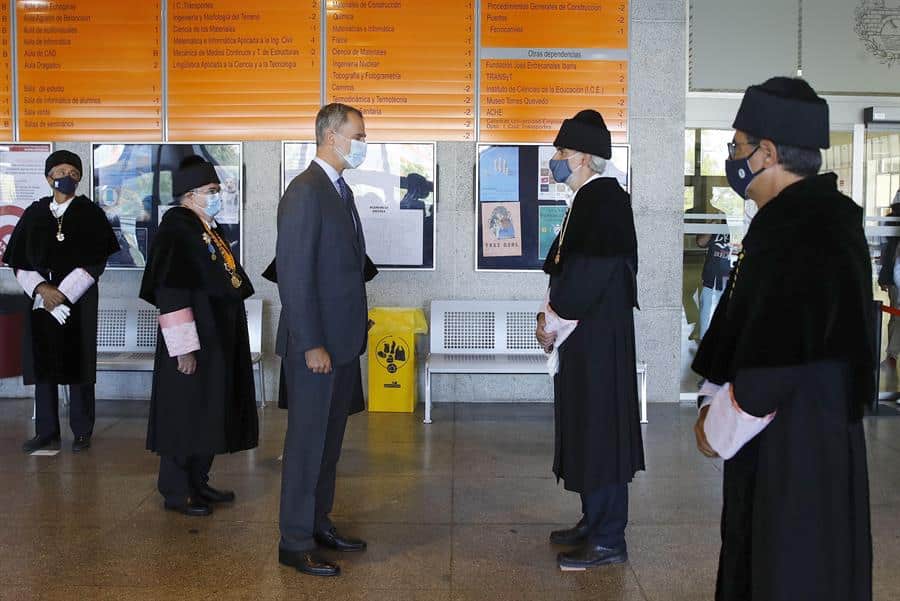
x,y
206,192
732,147
73,173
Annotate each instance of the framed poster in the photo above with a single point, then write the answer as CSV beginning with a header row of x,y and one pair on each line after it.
x,y
396,195
133,185
519,208
22,182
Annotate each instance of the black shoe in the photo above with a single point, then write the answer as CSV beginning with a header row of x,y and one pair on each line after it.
x,y
81,443
211,495
308,562
571,536
330,539
591,556
41,442
191,507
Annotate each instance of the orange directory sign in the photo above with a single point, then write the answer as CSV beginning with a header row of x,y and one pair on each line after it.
x,y
578,23
527,100
529,82
243,70
408,66
6,122
89,70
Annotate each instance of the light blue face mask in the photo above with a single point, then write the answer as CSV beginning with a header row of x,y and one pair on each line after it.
x,y
213,204
560,170
357,154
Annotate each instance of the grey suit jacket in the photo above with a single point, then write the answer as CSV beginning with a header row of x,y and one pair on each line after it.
x,y
320,260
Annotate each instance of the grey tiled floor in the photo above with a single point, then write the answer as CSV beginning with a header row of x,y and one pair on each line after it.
x,y
459,510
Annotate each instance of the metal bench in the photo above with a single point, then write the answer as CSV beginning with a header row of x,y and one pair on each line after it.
x,y
126,337
491,337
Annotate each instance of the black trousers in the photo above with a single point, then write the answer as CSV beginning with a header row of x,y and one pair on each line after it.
x,y
180,477
312,447
606,512
81,409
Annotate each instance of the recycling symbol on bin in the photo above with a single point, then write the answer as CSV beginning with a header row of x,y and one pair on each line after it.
x,y
392,353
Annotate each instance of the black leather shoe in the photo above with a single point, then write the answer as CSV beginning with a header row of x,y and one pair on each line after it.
x,y
308,562
591,556
211,495
41,442
191,507
570,536
81,443
330,539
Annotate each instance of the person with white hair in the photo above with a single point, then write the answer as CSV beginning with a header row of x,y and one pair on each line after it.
x,y
587,324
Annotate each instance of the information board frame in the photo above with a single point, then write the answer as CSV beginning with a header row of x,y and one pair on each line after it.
x,y
435,193
513,263
7,223
236,234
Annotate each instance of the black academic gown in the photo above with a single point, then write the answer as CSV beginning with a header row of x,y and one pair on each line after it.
x,y
212,411
54,353
792,333
598,433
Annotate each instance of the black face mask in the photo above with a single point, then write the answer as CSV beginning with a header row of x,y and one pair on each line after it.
x,y
67,185
740,174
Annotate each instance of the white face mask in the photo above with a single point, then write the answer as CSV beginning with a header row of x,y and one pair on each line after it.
x,y
357,154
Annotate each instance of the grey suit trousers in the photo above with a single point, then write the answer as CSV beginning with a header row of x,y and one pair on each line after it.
x,y
318,407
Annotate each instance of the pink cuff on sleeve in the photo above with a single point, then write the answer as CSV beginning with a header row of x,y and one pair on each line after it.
x,y
707,391
180,332
727,427
29,280
76,284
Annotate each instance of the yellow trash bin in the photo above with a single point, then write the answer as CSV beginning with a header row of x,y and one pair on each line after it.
x,y
392,358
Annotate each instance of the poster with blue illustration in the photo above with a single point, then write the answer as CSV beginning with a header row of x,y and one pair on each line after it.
x,y
550,220
499,174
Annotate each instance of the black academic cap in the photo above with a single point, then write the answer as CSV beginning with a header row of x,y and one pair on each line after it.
x,y
193,172
787,111
62,157
585,132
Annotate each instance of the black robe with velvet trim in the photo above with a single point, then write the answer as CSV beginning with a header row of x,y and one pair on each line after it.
x,y
598,432
792,333
54,353
212,411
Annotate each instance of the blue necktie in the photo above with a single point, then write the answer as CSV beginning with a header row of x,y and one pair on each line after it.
x,y
347,196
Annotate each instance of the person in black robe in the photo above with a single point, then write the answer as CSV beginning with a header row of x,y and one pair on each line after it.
x,y
203,401
593,268
59,250
792,339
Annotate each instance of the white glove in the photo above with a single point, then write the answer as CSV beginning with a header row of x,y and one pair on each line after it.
x,y
61,313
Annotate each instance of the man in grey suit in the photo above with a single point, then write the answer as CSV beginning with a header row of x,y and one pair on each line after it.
x,y
321,272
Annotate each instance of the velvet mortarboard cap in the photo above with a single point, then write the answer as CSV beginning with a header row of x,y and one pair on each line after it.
x,y
787,111
193,172
62,157
585,132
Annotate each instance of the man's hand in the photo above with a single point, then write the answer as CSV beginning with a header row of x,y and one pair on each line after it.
x,y
700,434
187,364
546,339
318,360
51,295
